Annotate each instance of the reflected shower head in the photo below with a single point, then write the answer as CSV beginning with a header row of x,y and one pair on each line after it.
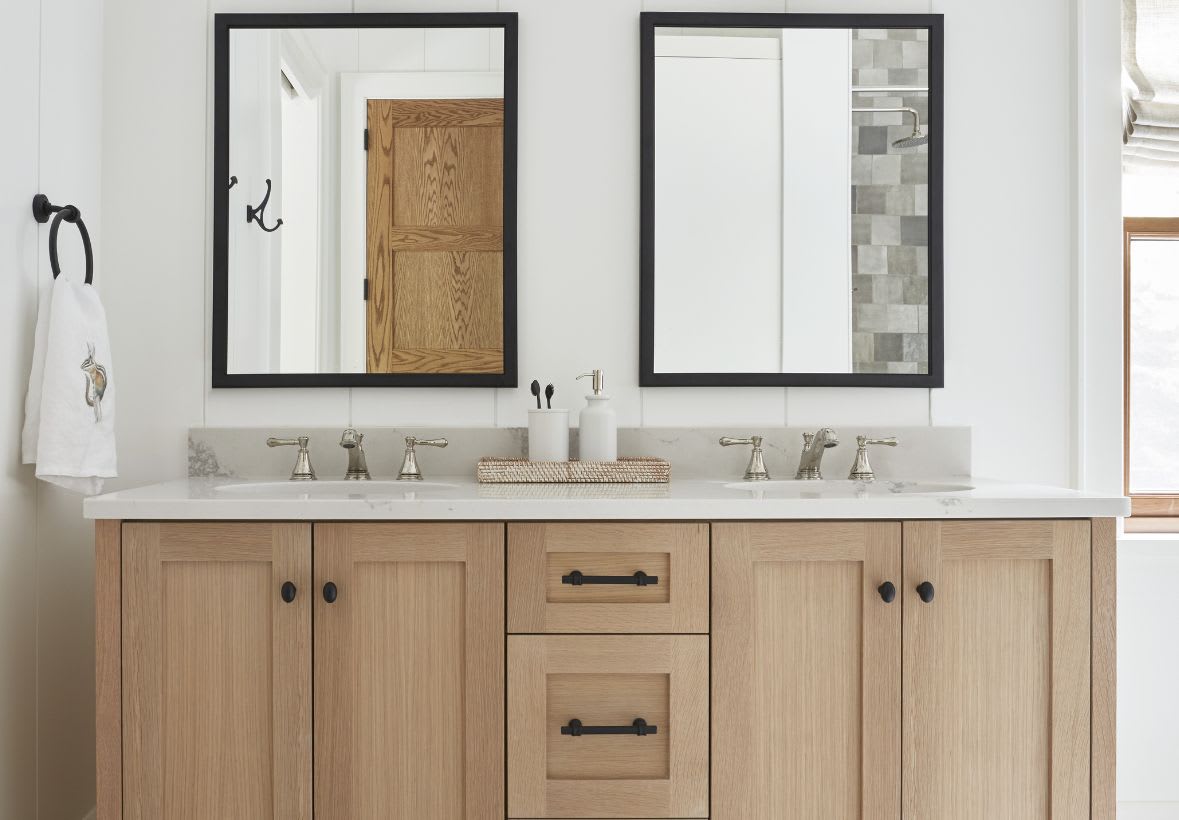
x,y
917,138
912,141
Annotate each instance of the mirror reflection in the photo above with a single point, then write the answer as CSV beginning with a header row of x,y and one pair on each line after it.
x,y
791,200
366,201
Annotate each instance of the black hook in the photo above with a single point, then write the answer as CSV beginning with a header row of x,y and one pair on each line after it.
x,y
257,214
43,209
232,181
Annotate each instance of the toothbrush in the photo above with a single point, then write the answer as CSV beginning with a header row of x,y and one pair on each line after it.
x,y
548,395
536,392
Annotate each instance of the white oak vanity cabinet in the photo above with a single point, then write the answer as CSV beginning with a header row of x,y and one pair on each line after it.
x,y
924,670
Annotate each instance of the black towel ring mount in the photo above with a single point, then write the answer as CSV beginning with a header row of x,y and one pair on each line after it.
x,y
43,209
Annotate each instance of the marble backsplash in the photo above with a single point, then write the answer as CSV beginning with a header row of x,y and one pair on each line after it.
x,y
924,452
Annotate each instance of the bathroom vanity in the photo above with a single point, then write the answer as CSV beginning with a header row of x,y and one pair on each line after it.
x,y
345,650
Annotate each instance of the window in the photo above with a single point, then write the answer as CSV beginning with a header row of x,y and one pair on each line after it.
x,y
1152,365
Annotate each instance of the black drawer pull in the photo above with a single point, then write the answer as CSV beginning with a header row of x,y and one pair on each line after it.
x,y
925,591
288,592
329,592
638,727
888,592
639,579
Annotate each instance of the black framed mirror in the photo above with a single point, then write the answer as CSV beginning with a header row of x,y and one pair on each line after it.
x,y
791,200
364,218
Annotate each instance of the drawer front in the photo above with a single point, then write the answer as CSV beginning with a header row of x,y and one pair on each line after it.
x,y
582,578
573,746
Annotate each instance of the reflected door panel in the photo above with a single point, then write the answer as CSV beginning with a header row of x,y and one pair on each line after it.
x,y
435,236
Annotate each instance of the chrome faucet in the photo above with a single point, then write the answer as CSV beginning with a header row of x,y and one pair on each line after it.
x,y
861,470
409,465
813,445
756,471
352,440
303,470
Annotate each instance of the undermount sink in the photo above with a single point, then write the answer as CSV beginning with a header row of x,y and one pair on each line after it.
x,y
834,488
332,489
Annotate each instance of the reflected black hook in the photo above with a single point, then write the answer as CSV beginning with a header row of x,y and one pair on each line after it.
x,y
258,214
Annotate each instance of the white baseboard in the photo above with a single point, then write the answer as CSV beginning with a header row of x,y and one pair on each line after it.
x,y
1148,811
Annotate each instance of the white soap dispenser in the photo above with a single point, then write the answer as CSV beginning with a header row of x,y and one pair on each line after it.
x,y
598,425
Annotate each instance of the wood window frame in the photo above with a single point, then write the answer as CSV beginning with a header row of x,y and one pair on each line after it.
x,y
1150,512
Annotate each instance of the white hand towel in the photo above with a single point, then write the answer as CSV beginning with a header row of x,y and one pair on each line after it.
x,y
70,411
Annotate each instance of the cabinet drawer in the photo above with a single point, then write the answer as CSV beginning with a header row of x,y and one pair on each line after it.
x,y
545,562
604,767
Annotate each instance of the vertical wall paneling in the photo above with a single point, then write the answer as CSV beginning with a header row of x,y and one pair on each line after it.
x,y
1097,338
69,169
1007,254
579,235
19,49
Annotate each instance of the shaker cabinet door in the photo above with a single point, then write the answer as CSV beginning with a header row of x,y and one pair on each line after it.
x,y
806,677
409,671
996,670
216,655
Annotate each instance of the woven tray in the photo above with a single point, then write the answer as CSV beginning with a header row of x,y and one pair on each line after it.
x,y
623,471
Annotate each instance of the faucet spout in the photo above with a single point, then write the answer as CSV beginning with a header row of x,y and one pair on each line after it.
x,y
352,440
814,445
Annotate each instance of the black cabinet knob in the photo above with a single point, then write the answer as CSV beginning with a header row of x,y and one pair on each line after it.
x,y
288,592
888,592
925,591
329,592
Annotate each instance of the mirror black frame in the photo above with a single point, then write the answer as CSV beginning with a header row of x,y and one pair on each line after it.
x,y
647,375
223,25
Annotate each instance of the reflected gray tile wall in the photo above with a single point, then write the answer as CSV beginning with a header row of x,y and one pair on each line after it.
x,y
890,194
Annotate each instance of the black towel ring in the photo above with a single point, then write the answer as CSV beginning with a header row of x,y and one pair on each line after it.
x,y
42,209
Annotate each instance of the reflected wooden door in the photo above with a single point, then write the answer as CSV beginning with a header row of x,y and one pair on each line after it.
x,y
435,236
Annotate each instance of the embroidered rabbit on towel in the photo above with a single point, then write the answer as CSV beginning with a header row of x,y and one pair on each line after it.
x,y
95,382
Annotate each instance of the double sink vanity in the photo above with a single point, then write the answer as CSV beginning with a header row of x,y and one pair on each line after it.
x,y
710,647
775,633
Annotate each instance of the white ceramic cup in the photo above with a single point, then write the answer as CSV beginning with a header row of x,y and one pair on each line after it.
x,y
548,435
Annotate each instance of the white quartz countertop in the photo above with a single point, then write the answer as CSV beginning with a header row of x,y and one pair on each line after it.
x,y
451,498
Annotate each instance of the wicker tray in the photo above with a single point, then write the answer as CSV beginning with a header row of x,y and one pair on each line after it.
x,y
623,471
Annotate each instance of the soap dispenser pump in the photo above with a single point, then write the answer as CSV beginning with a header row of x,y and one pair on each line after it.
x,y
598,425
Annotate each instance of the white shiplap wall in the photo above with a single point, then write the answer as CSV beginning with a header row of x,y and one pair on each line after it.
x,y
50,57
1008,359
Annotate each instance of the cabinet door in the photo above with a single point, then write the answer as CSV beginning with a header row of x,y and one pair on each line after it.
x,y
806,656
216,671
409,671
996,670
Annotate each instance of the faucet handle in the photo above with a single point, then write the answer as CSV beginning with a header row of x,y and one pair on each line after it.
x,y
303,470
756,471
409,465
861,470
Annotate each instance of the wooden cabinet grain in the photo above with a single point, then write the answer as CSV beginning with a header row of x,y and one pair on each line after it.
x,y
996,670
982,664
409,672
806,694
867,670
216,671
